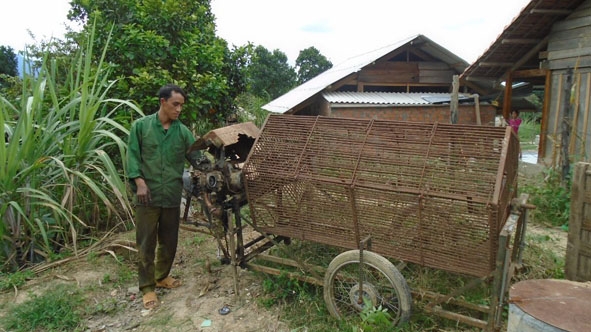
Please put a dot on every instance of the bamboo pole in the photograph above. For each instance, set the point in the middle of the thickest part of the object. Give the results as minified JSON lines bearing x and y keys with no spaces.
{"x":566,"y":128}
{"x":586,"y":117}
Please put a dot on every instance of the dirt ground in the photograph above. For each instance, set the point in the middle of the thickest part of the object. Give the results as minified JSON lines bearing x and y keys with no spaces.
{"x":194,"y":306}
{"x":207,"y":287}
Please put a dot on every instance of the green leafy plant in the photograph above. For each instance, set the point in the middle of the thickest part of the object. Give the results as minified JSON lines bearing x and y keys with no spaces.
{"x":552,"y":200}
{"x":16,"y":279}
{"x":57,"y":180}
{"x":528,"y":130}
{"x":375,"y":319}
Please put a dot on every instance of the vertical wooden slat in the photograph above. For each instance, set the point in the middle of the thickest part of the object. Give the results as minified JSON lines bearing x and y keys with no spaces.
{"x":556,"y":117}
{"x":575,"y":119}
{"x":571,"y":265}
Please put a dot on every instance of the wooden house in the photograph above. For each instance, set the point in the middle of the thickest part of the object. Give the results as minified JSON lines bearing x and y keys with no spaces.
{"x":548,"y":45}
{"x":410,"y":81}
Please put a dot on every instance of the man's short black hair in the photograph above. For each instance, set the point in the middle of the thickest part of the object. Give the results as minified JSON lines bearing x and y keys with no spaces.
{"x":166,"y":91}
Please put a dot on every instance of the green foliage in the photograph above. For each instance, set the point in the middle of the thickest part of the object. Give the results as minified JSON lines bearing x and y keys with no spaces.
{"x":528,"y":130}
{"x":376,"y":319}
{"x":57,"y":180}
{"x":8,"y":62}
{"x":157,"y":42}
{"x":310,"y":63}
{"x":552,"y":200}
{"x":269,"y":74}
{"x":56,"y":310}
{"x":251,"y":109}
{"x":282,"y":288}
{"x":10,"y":280}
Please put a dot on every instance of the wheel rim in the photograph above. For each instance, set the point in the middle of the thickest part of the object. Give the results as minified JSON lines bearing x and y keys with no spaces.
{"x":370,"y":296}
{"x":384,"y":287}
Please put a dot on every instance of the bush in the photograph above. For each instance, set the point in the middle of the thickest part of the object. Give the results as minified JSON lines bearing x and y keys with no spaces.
{"x":552,"y":200}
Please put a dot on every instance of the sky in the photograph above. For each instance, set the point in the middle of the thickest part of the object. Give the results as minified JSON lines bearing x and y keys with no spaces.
{"x":338,"y":29}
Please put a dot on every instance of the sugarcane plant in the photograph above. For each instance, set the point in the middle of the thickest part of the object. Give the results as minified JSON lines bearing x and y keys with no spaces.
{"x":58,"y":179}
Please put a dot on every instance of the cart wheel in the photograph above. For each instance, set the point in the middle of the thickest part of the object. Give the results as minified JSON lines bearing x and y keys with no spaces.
{"x":383,"y":285}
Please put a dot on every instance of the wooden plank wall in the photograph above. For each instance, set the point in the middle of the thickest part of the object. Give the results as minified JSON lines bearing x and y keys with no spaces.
{"x":569,"y":46}
{"x":580,"y":135}
{"x":578,"y":250}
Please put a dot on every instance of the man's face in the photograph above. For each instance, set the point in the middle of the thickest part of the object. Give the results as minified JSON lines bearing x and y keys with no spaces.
{"x":173,"y":106}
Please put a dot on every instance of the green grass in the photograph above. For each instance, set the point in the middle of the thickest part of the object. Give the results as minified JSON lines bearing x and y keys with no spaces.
{"x":59,"y":309}
{"x":10,"y":280}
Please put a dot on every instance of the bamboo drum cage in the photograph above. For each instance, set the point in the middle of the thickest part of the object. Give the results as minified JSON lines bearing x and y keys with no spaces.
{"x":433,"y":194}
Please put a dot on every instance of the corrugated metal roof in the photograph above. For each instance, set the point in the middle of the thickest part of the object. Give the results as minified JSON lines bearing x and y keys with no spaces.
{"x":301,"y":93}
{"x":388,"y":98}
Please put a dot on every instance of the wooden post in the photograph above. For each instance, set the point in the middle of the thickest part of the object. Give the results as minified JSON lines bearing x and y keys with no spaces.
{"x":566,"y":125}
{"x":508,"y":96}
{"x":545,"y":111}
{"x":232,"y":250}
{"x":477,"y":108}
{"x":454,"y":100}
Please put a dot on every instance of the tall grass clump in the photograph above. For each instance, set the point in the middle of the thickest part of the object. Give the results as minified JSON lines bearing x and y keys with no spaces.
{"x":57,"y":179}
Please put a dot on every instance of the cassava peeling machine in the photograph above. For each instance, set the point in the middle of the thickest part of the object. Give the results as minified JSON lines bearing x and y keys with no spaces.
{"x":440,"y":196}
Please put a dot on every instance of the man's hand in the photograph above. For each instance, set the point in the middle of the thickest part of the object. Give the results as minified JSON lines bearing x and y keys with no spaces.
{"x":143,"y":192}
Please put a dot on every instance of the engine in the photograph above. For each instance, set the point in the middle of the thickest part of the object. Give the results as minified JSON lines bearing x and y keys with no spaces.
{"x":216,"y":179}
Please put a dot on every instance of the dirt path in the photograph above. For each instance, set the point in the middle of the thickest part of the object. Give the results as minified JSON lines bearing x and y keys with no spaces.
{"x":192,"y":307}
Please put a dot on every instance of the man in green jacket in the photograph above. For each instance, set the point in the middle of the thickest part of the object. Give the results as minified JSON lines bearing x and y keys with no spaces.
{"x":157,"y":149}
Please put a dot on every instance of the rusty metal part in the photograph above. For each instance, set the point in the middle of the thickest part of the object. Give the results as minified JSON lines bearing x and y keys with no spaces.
{"x":563,"y":304}
{"x":433,"y":194}
{"x":236,"y":140}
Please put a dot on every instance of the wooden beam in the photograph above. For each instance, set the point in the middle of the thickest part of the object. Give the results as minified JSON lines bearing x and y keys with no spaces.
{"x":527,"y":56}
{"x":551,"y":11}
{"x":528,"y":73}
{"x":520,"y":41}
{"x":495,"y":64}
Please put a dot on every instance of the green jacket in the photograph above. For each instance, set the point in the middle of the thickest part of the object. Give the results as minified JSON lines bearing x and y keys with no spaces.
{"x":158,"y":156}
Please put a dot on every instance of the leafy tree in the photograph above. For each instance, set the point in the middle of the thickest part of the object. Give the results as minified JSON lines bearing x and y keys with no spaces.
{"x":8,"y":64}
{"x":269,"y":74}
{"x":157,"y":42}
{"x":310,"y":63}
{"x":8,"y":61}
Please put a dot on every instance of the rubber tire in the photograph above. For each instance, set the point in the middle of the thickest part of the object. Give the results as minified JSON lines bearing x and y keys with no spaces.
{"x":374,"y":262}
